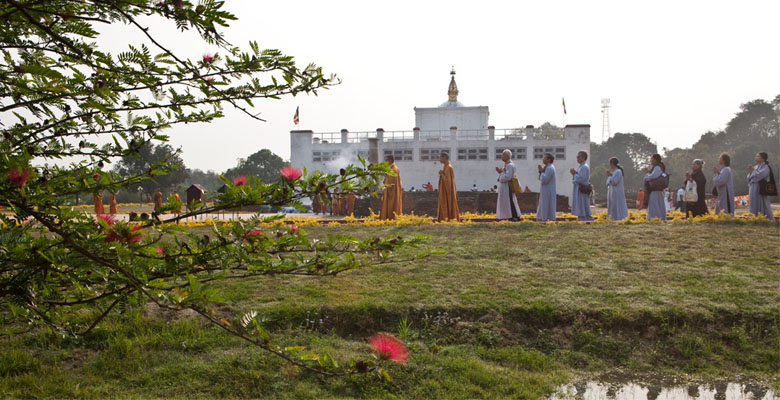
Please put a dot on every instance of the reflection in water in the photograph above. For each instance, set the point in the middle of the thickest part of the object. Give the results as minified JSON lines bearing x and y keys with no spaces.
{"x":632,"y":391}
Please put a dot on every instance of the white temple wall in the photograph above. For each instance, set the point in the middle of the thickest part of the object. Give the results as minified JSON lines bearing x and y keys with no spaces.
{"x":468,"y":172}
{"x":442,"y":118}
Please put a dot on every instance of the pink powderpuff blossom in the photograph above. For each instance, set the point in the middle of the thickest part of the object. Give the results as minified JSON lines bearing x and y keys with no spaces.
{"x":208,"y":78}
{"x":254,"y":233}
{"x":290,"y":173}
{"x":389,"y":348}
{"x":96,"y":176}
{"x":106,"y":217}
{"x":208,"y":58}
{"x":160,"y":250}
{"x":134,"y":238}
{"x":294,"y":229}
{"x":239,"y":180}
{"x":18,"y":176}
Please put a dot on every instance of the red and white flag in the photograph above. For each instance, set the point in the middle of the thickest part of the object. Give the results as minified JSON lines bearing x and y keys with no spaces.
{"x":562,"y":99}
{"x":295,"y":117}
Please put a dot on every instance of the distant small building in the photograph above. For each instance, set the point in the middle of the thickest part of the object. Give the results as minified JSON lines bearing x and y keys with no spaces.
{"x":195,"y":193}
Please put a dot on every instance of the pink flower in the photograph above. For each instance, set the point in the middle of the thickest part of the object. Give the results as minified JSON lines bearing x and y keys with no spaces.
{"x":239,"y":180}
{"x":134,"y":238}
{"x":106,"y":217}
{"x":254,"y":233}
{"x":18,"y":176}
{"x":96,"y":176}
{"x":208,"y":78}
{"x":294,"y":229}
{"x":207,"y":58}
{"x":291,"y":173}
{"x":159,"y":250}
{"x":389,"y":348}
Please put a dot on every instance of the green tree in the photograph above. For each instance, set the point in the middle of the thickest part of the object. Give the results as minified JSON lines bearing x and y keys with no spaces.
{"x":59,"y":91}
{"x":753,"y":129}
{"x":141,"y":163}
{"x":208,"y":179}
{"x":632,"y":149}
{"x":264,"y":165}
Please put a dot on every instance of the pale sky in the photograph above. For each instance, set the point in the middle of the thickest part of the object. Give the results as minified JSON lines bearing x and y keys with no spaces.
{"x":672,"y":69}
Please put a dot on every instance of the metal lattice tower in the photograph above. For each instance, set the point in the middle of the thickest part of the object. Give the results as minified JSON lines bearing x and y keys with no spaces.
{"x":606,"y":131}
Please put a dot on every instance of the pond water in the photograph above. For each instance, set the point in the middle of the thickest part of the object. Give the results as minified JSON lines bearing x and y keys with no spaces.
{"x":632,"y":391}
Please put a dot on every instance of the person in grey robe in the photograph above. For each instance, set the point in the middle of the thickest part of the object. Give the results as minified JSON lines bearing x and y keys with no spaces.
{"x":580,"y":202}
{"x":545,"y":211}
{"x":724,"y":183}
{"x":655,"y":204}
{"x":617,"y":209}
{"x":759,"y":203}
{"x":506,"y":204}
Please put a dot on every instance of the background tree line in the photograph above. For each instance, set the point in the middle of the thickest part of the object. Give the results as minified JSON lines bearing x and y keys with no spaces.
{"x":753,"y":129}
{"x":264,"y":165}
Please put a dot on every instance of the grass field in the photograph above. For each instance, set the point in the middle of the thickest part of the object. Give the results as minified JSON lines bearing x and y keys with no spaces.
{"x":509,"y":311}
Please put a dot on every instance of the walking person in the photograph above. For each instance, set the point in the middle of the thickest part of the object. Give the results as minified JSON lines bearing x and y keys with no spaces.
{"x":759,"y":203}
{"x":655,"y":202}
{"x":581,"y":189}
{"x":545,"y":211}
{"x":111,"y":203}
{"x":393,"y":195}
{"x":680,"y":202}
{"x":506,"y":204}
{"x":448,"y":196}
{"x":157,"y":200}
{"x":724,"y":186}
{"x":699,"y":207}
{"x":617,"y":209}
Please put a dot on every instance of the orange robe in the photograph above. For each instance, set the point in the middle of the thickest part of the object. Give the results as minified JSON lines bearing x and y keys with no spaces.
{"x":316,"y":204}
{"x":350,"y":203}
{"x":178,"y":209}
{"x":391,"y":199}
{"x":640,"y":198}
{"x":111,"y":203}
{"x":448,"y":195}
{"x":98,"y":200}
{"x":157,"y":201}
{"x":335,"y":204}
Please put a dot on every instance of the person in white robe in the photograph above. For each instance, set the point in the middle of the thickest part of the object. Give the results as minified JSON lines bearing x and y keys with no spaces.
{"x":580,"y":202}
{"x":759,"y":203}
{"x":545,"y":211}
{"x":506,"y":204}
{"x":655,"y":204}
{"x":724,"y":184}
{"x":617,"y":209}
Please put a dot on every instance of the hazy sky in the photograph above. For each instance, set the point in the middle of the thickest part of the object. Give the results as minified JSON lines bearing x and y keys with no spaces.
{"x":673,"y":69}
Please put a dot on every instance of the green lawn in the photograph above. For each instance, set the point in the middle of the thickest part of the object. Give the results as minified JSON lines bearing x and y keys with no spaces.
{"x":509,"y":311}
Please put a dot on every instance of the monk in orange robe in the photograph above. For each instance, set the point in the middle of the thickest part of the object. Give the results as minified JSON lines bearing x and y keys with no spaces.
{"x":111,"y":203}
{"x":178,"y":209}
{"x":640,"y":198}
{"x":335,"y":204}
{"x":98,"y":200}
{"x":349,"y":199}
{"x":391,"y":199}
{"x":157,"y":200}
{"x":448,"y":196}
{"x":316,"y":204}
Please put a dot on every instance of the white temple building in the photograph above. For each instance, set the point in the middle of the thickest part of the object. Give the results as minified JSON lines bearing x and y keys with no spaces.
{"x":464,"y":132}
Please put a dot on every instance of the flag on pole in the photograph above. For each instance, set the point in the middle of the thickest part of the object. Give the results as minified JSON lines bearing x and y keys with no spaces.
{"x":295,"y":117}
{"x":562,"y":99}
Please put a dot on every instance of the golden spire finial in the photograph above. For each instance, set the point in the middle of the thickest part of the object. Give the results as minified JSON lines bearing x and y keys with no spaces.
{"x":453,"y":91}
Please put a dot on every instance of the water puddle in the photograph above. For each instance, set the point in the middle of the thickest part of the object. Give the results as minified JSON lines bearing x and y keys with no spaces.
{"x":632,"y":391}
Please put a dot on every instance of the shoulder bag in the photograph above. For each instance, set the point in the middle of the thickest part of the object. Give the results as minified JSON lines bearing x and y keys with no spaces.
{"x":768,"y":188}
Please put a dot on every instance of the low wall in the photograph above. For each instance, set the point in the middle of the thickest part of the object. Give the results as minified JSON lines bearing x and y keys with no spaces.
{"x":426,"y":203}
